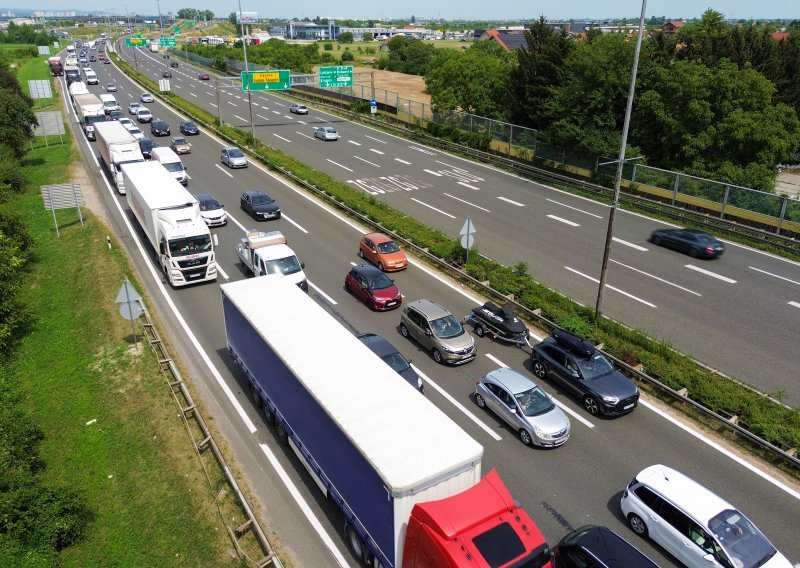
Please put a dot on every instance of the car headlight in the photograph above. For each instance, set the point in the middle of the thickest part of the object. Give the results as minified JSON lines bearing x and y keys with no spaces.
{"x":448,"y":349}
{"x":610,"y":399}
{"x":539,"y":432}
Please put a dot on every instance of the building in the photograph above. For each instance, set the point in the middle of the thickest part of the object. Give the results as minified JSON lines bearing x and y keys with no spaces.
{"x":673,"y":27}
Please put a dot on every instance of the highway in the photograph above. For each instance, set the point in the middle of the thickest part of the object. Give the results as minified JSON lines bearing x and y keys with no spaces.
{"x":576,"y":484}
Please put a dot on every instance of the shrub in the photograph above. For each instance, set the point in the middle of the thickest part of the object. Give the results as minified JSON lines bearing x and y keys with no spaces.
{"x":327,"y":46}
{"x":347,"y":56}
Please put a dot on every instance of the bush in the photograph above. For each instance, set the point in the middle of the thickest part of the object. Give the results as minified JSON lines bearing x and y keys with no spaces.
{"x":347,"y":56}
{"x":327,"y":46}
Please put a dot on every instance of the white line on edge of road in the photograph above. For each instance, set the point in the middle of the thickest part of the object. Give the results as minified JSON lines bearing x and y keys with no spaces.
{"x":566,"y":409}
{"x":458,"y":405}
{"x":596,"y":281}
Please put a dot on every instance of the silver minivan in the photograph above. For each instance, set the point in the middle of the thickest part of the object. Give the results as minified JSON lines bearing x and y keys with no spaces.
{"x":438,"y":331}
{"x":693,"y":524}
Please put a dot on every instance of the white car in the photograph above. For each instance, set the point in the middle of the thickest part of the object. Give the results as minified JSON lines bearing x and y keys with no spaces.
{"x":126,"y":122}
{"x":136,"y":132}
{"x":298,"y":109}
{"x":146,"y":98}
{"x":326,"y":133}
{"x":133,"y":108}
{"x":144,"y":115}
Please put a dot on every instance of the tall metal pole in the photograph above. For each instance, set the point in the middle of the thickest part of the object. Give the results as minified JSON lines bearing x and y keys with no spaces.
{"x":160,"y":20}
{"x":247,"y":70}
{"x":598,"y":311}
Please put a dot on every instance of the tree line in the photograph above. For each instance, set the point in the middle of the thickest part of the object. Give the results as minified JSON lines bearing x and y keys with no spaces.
{"x":275,"y":54}
{"x":37,"y":519}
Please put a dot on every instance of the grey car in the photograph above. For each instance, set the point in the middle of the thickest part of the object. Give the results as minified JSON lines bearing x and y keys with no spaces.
{"x":392,"y":357}
{"x":233,"y":158}
{"x":438,"y":331}
{"x":524,"y":406}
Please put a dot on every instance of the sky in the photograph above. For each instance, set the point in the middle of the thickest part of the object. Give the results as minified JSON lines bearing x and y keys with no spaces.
{"x":454,"y":9}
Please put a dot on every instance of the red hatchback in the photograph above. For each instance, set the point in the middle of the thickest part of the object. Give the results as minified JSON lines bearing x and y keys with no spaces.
{"x":382,"y":251}
{"x":373,"y":287}
{"x":203,"y":77}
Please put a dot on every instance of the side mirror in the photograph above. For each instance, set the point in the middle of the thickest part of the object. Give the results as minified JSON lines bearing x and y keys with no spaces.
{"x":302,"y":265}
{"x":428,"y":332}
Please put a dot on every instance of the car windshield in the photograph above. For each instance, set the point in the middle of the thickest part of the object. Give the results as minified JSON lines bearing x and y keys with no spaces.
{"x":262,"y":200}
{"x":190,"y":245}
{"x":235,"y":153}
{"x":180,"y":141}
{"x":446,"y":327}
{"x":147,"y":144}
{"x":159,"y":124}
{"x":386,"y":248}
{"x":189,"y":125}
{"x":288,"y":265}
{"x":396,"y":362}
{"x":378,"y":281}
{"x":596,"y":366}
{"x":209,"y":205}
{"x":534,"y":402}
{"x":740,"y":539}
{"x":173,"y":167}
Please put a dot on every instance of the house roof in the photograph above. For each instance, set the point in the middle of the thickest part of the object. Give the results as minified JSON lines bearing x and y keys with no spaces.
{"x":510,"y":40}
{"x":675,"y":24}
{"x":780,"y":36}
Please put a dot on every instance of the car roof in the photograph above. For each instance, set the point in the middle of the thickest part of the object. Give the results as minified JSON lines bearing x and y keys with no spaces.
{"x":377,"y":344}
{"x":378,"y":238}
{"x":205,"y":197}
{"x":429,"y":308}
{"x":511,"y":380}
{"x":572,"y":343}
{"x":367,"y":269}
{"x":683,"y":492}
{"x":613,"y":550}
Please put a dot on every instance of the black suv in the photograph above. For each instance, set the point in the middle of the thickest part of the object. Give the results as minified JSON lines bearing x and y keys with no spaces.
{"x":585,"y":372}
{"x":599,"y":547}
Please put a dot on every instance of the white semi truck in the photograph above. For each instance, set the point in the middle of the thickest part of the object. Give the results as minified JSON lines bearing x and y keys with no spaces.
{"x":170,"y":218}
{"x":116,"y":146}
{"x":267,"y":253}
{"x":90,"y":111}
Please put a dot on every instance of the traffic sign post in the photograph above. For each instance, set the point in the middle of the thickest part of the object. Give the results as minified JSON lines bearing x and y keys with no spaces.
{"x":373,"y":106}
{"x":277,"y":80}
{"x":467,"y":235}
{"x":336,"y":76}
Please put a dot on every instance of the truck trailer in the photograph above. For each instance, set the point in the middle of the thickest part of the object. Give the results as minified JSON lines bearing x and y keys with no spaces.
{"x":170,"y":218}
{"x":406,"y":478}
{"x":71,"y":72}
{"x":90,"y":111}
{"x":116,"y":146}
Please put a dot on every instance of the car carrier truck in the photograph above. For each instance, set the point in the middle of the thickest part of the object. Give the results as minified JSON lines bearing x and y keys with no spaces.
{"x":267,"y":253}
{"x":116,"y":146}
{"x":405,"y":476}
{"x":170,"y":218}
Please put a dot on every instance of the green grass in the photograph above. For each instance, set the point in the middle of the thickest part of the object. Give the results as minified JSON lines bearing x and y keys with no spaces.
{"x":134,"y":466}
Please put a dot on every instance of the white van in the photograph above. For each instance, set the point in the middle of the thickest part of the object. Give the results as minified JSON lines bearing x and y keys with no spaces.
{"x":91,"y":78}
{"x":109,"y":103}
{"x":693,"y":524}
{"x":171,"y":162}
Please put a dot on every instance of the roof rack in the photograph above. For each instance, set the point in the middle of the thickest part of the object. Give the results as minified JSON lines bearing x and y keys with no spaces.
{"x":573,"y":343}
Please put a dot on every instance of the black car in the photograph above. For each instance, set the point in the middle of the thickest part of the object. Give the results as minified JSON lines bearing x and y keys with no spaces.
{"x":598,"y":547}
{"x":146,"y":145}
{"x":189,"y":128}
{"x":173,"y":64}
{"x":696,"y":244}
{"x":116,"y":115}
{"x":167,"y":74}
{"x":585,"y":372}
{"x":259,"y":205}
{"x":159,"y":128}
{"x":392,"y":357}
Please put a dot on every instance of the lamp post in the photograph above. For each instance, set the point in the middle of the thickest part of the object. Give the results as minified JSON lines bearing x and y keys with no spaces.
{"x":598,"y":312}
{"x":247,"y":70}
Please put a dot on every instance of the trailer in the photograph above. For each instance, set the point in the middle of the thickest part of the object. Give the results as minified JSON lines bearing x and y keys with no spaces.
{"x":116,"y":147}
{"x":406,"y":478}
{"x":90,"y":111}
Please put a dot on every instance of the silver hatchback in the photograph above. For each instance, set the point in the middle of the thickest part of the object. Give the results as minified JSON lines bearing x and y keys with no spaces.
{"x":524,"y":406}
{"x":438,"y":331}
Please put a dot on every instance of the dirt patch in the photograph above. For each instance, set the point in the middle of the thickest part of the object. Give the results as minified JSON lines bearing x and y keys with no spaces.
{"x":409,"y":86}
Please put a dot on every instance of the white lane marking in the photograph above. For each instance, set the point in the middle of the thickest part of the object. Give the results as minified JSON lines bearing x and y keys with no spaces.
{"x":574,"y":208}
{"x":507,"y":200}
{"x":708,"y":441}
{"x":238,"y":97}
{"x":224,"y":274}
{"x":195,"y":96}
{"x":628,"y":244}
{"x":301,"y":122}
{"x":295,"y":223}
{"x":281,"y":137}
{"x":402,"y":161}
{"x":255,"y":104}
{"x":432,"y":207}
{"x":309,"y":514}
{"x":558,"y":403}
{"x":376,"y":140}
{"x":562,"y":220}
{"x":712,"y":274}
{"x":340,"y":165}
{"x":446,"y":164}
{"x":213,"y":105}
{"x":321,"y":293}
{"x":354,"y":142}
{"x":320,"y":119}
{"x":469,"y":186}
{"x":367,"y":161}
{"x":224,"y":171}
{"x":209,"y":94}
{"x":795,"y":304}
{"x":240,"y":118}
{"x":276,"y":111}
{"x":306,"y":135}
{"x":232,"y":218}
{"x":376,"y":151}
{"x":418,"y":149}
{"x":437,"y":174}
{"x":230,"y":103}
{"x":774,"y":275}
{"x":596,"y":281}
{"x":656,"y":277}
{"x":467,"y":202}
{"x":260,"y":116}
{"x":288,"y":116}
{"x":458,"y":405}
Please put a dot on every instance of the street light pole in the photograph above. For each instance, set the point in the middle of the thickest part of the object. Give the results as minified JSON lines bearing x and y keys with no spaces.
{"x":247,"y":70}
{"x":598,"y":312}
{"x":160,"y":20}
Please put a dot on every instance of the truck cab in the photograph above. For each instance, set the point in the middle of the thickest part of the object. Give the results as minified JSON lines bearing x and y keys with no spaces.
{"x":267,"y":253}
{"x":482,"y":526}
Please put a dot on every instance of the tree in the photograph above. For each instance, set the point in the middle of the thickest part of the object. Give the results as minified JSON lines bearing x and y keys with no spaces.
{"x":16,"y":122}
{"x":408,"y":55}
{"x":346,"y":37}
{"x":539,"y":71}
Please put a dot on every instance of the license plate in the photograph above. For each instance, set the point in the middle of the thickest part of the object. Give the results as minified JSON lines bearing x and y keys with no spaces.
{"x":627,"y":406}
{"x":392,"y":303}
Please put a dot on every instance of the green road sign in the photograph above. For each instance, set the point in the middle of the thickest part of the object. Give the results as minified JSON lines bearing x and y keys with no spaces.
{"x":166,"y":41}
{"x":135,"y":41}
{"x":176,"y":30}
{"x":336,"y":76}
{"x":277,"y":80}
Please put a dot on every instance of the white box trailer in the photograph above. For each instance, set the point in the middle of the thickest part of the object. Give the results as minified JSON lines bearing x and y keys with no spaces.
{"x":116,"y":146}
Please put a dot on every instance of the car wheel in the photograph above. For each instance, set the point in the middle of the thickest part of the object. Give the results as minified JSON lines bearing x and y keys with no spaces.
{"x":539,"y":369}
{"x":357,"y":546}
{"x":361,"y":253}
{"x":347,"y":288}
{"x":403,"y":330}
{"x":437,"y":356}
{"x":479,"y":331}
{"x":525,"y":436}
{"x":590,"y":404}
{"x":380,"y":266}
{"x":637,"y":525}
{"x":480,"y":401}
{"x":694,"y":253}
{"x":656,"y":240}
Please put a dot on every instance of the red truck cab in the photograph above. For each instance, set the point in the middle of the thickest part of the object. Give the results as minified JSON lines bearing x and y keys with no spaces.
{"x":480,"y":527}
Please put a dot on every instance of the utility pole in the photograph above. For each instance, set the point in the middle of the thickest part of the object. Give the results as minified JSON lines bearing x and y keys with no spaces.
{"x":160,"y":20}
{"x":247,"y":70}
